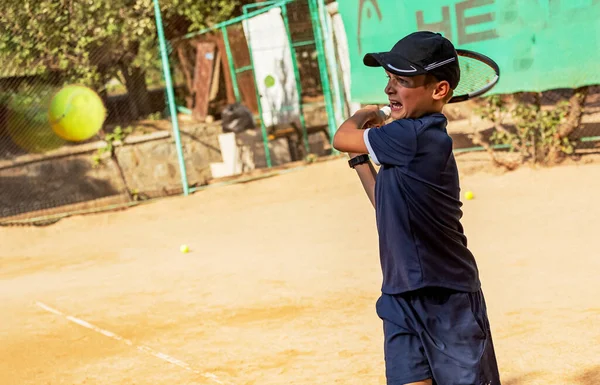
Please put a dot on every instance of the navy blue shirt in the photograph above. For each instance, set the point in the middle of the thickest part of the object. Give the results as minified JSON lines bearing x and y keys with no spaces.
{"x":418,"y":207}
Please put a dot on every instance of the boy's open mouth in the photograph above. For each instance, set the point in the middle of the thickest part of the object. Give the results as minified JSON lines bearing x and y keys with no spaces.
{"x":396,"y":106}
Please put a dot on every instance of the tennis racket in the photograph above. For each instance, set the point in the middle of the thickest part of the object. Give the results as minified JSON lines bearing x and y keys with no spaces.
{"x":478,"y":75}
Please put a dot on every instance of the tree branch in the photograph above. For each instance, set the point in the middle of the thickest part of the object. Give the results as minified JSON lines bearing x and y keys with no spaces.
{"x":479,"y":140}
{"x":576,"y":107}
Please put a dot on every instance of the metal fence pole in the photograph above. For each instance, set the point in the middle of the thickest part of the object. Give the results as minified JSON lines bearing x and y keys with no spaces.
{"x":323,"y":69}
{"x":171,"y":96}
{"x":331,"y":59}
{"x":232,"y":72}
{"x":263,"y":128}
{"x":286,"y":23}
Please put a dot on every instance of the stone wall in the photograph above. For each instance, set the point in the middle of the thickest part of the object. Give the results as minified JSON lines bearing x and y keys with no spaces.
{"x":151,"y":165}
{"x":144,"y":166}
{"x":39,"y":186}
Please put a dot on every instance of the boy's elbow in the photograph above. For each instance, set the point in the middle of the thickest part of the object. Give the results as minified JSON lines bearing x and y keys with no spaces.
{"x":348,"y":141}
{"x":340,"y":139}
{"x":336,"y":141}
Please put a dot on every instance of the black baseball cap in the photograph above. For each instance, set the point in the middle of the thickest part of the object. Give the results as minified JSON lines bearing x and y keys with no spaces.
{"x":420,"y":53}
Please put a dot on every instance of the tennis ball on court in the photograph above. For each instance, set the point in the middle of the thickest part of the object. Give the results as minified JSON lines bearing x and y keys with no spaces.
{"x":76,"y":113}
{"x":184,"y":249}
{"x":469,"y":195}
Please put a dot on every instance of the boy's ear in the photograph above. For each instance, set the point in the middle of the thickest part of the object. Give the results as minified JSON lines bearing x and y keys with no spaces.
{"x":441,"y":90}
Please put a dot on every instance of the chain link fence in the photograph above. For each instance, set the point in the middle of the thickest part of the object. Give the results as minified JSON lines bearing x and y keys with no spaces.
{"x":267,"y":69}
{"x":533,"y":124}
{"x":190,"y":106}
{"x":219,"y":102}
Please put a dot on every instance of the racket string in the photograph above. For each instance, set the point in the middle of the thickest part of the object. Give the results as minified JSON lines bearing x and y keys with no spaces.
{"x":475,"y":75}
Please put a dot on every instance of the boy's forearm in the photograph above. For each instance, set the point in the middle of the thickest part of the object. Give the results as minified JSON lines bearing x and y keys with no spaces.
{"x":355,"y":122}
{"x":349,"y":136}
{"x":367,"y":175}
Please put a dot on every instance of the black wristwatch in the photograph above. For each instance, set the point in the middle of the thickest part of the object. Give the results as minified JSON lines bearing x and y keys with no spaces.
{"x":360,"y":159}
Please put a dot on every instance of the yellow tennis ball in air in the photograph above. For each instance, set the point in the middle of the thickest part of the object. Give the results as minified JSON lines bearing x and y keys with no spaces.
{"x":76,"y":113}
{"x":29,"y":130}
{"x":469,"y":195}
{"x":184,"y":249}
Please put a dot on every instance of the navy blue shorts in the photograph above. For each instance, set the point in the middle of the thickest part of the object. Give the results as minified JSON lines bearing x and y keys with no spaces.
{"x":439,"y":334}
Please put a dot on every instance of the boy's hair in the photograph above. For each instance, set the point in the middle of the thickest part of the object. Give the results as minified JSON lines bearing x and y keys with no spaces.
{"x":449,"y":73}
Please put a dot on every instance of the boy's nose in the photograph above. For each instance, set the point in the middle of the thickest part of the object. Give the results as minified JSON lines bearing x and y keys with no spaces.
{"x":389,"y":89}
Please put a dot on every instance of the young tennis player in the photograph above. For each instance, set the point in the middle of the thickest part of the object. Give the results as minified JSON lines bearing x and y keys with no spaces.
{"x":435,"y":323}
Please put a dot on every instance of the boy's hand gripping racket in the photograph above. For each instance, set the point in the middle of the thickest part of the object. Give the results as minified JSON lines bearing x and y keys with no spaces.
{"x":385,"y":112}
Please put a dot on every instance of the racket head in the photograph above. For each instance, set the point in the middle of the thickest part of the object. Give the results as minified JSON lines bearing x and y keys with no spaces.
{"x":478,"y":75}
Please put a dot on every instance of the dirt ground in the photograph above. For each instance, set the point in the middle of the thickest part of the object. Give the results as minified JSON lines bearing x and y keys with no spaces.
{"x":280,"y":284}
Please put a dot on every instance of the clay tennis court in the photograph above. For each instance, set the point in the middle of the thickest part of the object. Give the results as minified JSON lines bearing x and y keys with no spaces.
{"x":281,"y":282}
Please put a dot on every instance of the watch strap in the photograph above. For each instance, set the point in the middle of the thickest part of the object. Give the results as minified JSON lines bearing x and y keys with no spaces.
{"x":360,"y":159}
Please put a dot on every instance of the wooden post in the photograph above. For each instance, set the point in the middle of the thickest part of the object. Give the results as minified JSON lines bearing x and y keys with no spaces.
{"x":203,"y":75}
{"x":225,"y":65}
{"x":241,"y":58}
{"x":187,"y":69}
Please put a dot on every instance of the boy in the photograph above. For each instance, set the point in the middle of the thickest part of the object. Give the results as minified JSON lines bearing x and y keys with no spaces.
{"x":435,"y":324}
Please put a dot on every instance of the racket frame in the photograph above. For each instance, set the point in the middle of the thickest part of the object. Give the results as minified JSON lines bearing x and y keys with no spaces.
{"x":484,"y":59}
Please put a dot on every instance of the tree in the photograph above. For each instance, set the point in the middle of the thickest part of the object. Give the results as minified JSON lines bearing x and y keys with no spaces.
{"x":93,"y":41}
{"x":533,"y":132}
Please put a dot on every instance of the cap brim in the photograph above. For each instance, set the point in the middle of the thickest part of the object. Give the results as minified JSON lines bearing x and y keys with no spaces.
{"x":394,"y":63}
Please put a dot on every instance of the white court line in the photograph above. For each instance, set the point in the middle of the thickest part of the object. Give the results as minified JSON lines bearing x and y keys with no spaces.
{"x":141,"y":348}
